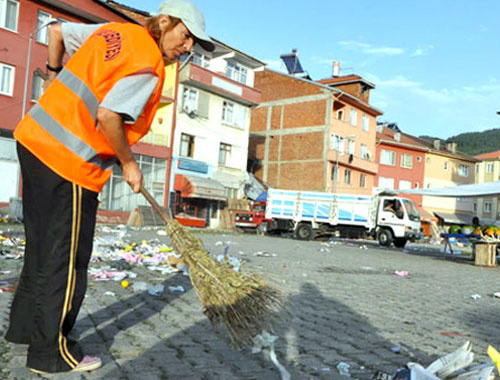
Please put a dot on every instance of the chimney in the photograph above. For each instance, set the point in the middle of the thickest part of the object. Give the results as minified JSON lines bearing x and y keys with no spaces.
{"x":336,"y":68}
{"x":452,"y":147}
{"x":437,"y":144}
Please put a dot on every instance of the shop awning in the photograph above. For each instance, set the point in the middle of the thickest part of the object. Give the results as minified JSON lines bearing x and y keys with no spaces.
{"x":455,"y":218}
{"x":461,"y":191}
{"x":426,"y":215}
{"x":198,"y":187}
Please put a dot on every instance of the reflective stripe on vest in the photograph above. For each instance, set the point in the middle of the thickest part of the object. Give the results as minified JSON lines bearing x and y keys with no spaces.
{"x":68,"y":139}
{"x":79,"y":87}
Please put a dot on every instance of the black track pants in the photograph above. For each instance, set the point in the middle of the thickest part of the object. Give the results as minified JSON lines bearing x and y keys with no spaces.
{"x":59,"y":219}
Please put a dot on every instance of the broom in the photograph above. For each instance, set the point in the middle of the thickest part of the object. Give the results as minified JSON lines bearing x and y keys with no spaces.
{"x":243,"y":303}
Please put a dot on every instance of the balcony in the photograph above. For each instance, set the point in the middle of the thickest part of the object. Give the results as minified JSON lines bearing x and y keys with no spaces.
{"x":219,"y":84}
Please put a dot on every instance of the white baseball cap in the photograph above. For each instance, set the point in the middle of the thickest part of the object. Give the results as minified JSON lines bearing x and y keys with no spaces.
{"x":191,"y":16}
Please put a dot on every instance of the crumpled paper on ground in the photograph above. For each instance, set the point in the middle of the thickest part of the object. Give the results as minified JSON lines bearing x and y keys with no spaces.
{"x":266,"y":341}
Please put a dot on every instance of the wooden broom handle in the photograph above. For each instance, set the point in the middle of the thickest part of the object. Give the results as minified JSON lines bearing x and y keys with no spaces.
{"x":166,"y":217}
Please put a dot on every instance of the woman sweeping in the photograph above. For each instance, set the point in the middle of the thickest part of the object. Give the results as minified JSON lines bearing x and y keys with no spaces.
{"x":96,"y":107}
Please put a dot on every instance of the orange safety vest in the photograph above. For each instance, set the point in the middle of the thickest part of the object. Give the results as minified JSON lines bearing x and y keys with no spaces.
{"x":61,"y":130}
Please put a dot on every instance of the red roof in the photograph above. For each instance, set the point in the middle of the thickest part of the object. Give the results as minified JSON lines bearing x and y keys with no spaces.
{"x":388,"y":135}
{"x":489,"y":155}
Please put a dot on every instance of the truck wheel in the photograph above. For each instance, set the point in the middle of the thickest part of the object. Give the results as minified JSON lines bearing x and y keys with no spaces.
{"x":385,"y":238}
{"x":400,"y":242}
{"x":262,"y":228}
{"x":304,"y":232}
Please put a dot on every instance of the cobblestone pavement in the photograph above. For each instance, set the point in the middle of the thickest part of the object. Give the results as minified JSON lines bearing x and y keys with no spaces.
{"x":346,"y":306}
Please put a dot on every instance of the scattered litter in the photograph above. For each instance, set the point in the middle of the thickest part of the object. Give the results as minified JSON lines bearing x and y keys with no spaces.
{"x":451,"y":333}
{"x":176,"y":289}
{"x":454,"y":366}
{"x":323,"y":249}
{"x":241,"y":253}
{"x":496,"y":295}
{"x":125,"y":284}
{"x":475,"y":296}
{"x":264,"y":254}
{"x":343,"y":369}
{"x":396,"y":349}
{"x":266,"y":341}
{"x":109,"y":293}
{"x":401,"y":273}
{"x":5,"y":271}
{"x":162,"y":232}
{"x":379,"y":375}
{"x":139,"y":286}
{"x":156,"y":290}
{"x":494,"y":356}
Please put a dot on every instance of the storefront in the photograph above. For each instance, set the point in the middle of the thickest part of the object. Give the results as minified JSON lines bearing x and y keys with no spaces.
{"x":197,"y":200}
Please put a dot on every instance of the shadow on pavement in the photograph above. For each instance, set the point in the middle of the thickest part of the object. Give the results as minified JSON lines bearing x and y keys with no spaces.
{"x":320,"y":333}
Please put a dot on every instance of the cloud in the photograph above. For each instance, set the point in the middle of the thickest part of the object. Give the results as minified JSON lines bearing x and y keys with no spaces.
{"x":423,"y":50}
{"x":372,"y":50}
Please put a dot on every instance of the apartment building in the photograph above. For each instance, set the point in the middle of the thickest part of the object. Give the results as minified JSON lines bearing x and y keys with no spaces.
{"x":23,"y":56}
{"x":401,"y":161}
{"x":314,"y":135}
{"x":445,"y":166}
{"x":209,"y":166}
{"x":487,"y":170}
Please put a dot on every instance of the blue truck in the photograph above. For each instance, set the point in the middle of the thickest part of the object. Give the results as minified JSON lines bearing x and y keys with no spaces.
{"x":386,"y":217}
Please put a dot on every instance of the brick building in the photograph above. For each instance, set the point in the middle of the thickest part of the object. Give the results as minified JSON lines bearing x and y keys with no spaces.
{"x":308,"y":135}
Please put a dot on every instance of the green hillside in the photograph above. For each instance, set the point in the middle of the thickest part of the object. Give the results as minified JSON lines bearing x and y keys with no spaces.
{"x":474,"y":142}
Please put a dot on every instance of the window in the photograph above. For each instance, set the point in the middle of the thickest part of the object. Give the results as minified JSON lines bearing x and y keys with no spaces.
{"x":417,"y":185}
{"x":334,"y":173}
{"x":476,"y":169}
{"x":362,"y":180}
{"x":386,"y":183}
{"x":236,"y":72}
{"x":463,"y":171}
{"x":117,"y":194}
{"x":487,"y":207}
{"x":187,"y":145}
{"x":347,"y":177}
{"x":364,"y":151}
{"x":489,"y":167}
{"x":474,"y":207}
{"x":6,"y":79}
{"x":366,"y":123}
{"x":351,"y":147}
{"x":9,"y":11}
{"x":190,"y":100}
{"x":337,"y":143}
{"x":224,"y":154}
{"x":387,"y":157}
{"x":340,"y":114}
{"x":354,"y":116}
{"x":37,"y":89}
{"x":404,"y":185}
{"x":228,"y":112}
{"x":406,"y":161}
{"x":201,"y":59}
{"x":419,"y":158}
{"x":446,"y":165}
{"x":42,"y":35}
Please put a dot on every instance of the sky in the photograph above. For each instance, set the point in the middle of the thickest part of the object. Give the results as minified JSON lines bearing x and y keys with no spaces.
{"x":435,"y":63}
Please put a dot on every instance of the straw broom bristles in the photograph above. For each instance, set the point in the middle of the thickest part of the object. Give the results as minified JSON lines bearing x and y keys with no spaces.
{"x":241,"y":302}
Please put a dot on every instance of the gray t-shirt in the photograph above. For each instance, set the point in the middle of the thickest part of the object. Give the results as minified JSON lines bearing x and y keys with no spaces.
{"x":130,"y":94}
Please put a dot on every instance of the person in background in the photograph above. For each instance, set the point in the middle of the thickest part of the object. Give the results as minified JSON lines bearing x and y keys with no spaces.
{"x":93,"y":110}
